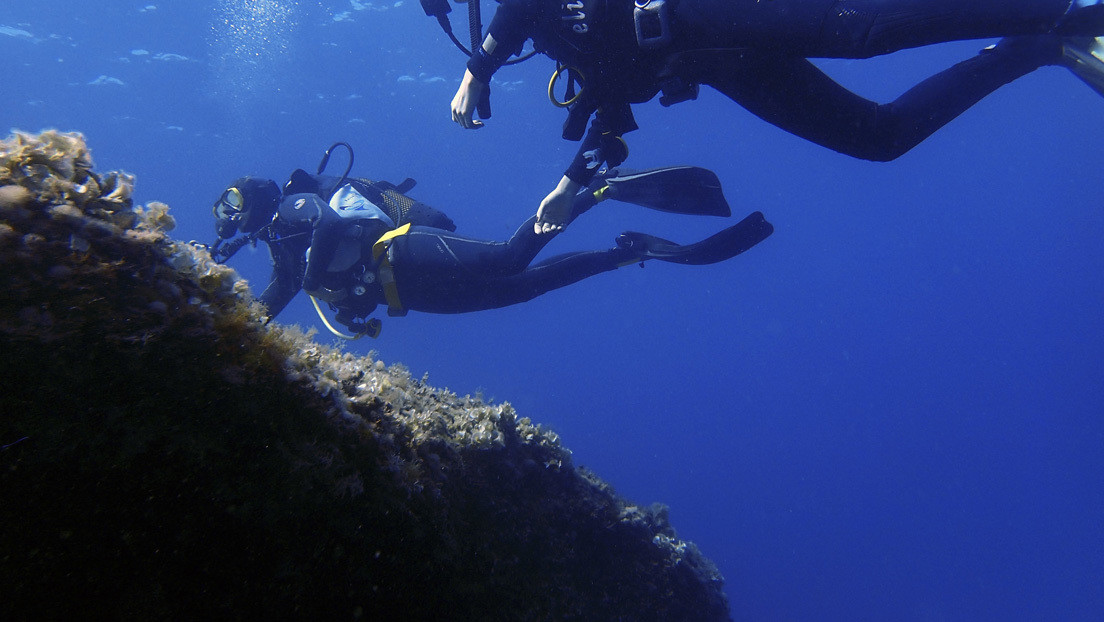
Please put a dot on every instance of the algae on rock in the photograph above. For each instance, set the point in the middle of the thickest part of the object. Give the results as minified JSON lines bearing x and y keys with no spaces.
{"x":165,"y":453}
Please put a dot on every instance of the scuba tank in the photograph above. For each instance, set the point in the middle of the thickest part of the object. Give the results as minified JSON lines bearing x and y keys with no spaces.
{"x":389,"y":197}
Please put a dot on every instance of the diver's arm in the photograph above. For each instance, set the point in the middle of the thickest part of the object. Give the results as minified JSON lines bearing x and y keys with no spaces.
{"x":513,"y":24}
{"x":466,"y":99}
{"x":288,"y":266}
{"x":277,"y":295}
{"x":510,"y":28}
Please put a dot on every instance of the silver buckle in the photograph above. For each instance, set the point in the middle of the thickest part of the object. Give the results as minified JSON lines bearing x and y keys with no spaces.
{"x":653,"y":26}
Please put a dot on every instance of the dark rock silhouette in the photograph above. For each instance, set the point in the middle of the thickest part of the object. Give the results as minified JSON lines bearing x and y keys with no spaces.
{"x":168,"y":456}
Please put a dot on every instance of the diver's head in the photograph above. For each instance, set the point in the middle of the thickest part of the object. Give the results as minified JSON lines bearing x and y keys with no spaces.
{"x":247,"y":205}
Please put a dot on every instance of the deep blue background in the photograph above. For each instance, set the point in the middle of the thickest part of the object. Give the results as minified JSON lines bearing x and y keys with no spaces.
{"x":890,"y":410}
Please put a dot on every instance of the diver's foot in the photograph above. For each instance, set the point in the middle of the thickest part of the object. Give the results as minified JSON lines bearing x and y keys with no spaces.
{"x":555,"y":209}
{"x":1084,"y":56}
{"x":547,"y":226}
{"x":552,"y":217}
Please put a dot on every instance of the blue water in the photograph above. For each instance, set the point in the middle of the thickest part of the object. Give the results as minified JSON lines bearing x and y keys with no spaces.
{"x":892,"y":409}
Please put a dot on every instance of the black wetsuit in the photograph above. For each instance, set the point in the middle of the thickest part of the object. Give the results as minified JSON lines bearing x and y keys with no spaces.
{"x":755,"y":51}
{"x":438,"y":271}
{"x":435,"y":270}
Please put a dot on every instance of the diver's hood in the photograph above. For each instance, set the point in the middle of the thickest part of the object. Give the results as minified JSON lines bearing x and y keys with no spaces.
{"x":260,"y":199}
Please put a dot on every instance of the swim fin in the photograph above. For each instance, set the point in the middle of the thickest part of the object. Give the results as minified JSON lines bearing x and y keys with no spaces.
{"x":720,"y":246}
{"x":675,"y":189}
{"x":1085,"y":58}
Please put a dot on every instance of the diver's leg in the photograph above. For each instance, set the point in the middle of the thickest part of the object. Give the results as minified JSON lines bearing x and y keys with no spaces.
{"x":433,"y":268}
{"x":554,"y":273}
{"x":448,"y":287}
{"x":865,"y":28}
{"x":438,"y":271}
{"x":451,"y":290}
{"x":515,"y":254}
{"x":430,"y":250}
{"x":437,"y":251}
{"x":799,"y":98}
{"x":632,"y":248}
{"x":521,"y":249}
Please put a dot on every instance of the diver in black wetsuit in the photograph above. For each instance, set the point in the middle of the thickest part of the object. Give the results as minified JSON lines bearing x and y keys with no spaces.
{"x":357,"y":244}
{"x":756,"y":51}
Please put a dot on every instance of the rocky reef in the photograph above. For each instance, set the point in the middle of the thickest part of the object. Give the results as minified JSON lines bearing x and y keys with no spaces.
{"x":167,"y":455}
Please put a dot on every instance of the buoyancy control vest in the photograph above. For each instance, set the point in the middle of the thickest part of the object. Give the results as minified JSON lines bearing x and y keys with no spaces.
{"x":350,"y":226}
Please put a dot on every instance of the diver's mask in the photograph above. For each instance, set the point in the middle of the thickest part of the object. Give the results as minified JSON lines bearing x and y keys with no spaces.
{"x":228,"y":212}
{"x":246,"y":206}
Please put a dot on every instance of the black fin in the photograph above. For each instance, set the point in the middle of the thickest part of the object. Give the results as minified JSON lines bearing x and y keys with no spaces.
{"x":720,"y":246}
{"x":676,"y":189}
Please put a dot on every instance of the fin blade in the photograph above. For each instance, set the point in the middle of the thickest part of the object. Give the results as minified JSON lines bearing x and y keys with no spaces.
{"x":718,"y":247}
{"x":729,"y":242}
{"x":675,"y":189}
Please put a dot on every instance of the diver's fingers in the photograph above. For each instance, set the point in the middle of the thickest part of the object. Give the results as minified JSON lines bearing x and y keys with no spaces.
{"x":466,"y":121}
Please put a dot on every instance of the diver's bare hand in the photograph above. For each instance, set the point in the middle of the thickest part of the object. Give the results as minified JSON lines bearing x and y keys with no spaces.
{"x":555,"y":209}
{"x":465,"y":101}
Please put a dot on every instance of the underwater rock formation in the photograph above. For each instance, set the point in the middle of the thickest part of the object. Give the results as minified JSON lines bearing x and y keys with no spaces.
{"x":167,"y":455}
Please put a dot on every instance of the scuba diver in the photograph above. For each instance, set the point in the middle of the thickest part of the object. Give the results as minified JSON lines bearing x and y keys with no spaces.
{"x":355,"y":244}
{"x":756,"y":52}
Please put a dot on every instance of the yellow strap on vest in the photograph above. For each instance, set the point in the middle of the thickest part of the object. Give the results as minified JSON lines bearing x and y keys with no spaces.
{"x":381,"y":244}
{"x":386,"y":274}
